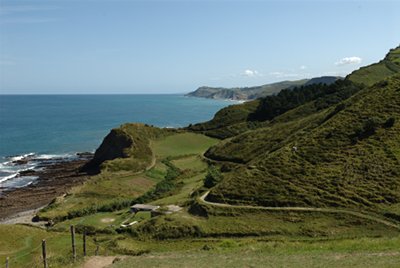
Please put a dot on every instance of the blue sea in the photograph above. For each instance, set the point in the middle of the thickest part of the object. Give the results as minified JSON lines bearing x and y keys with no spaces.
{"x":37,"y":128}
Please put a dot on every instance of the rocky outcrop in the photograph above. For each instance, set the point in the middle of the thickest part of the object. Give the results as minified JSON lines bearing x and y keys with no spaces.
{"x":115,"y":145}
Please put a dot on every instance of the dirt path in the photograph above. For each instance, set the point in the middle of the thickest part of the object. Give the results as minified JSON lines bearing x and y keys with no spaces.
{"x":101,"y":261}
{"x":153,"y":158}
{"x":326,"y":210}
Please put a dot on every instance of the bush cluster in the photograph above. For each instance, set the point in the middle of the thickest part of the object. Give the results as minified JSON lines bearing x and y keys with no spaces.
{"x":213,"y":177}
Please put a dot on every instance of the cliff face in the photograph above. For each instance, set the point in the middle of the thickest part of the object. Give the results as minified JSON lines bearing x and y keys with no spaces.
{"x":114,"y":145}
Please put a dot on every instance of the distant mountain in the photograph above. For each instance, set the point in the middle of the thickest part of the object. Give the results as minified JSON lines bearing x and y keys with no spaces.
{"x":251,"y":93}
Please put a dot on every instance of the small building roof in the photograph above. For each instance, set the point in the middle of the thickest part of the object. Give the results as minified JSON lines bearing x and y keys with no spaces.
{"x":144,"y":207}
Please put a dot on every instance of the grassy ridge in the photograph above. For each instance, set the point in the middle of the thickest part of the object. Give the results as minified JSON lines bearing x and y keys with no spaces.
{"x":228,"y":121}
{"x":371,"y":74}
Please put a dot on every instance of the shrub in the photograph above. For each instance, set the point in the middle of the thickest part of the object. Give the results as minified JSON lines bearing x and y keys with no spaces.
{"x":389,"y":123}
{"x":213,"y":177}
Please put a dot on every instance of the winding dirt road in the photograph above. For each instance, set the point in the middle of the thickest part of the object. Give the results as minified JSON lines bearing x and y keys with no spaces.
{"x":326,"y":210}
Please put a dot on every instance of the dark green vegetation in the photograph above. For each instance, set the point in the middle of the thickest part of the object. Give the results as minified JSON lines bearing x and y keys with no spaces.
{"x":251,"y":93}
{"x":237,"y":119}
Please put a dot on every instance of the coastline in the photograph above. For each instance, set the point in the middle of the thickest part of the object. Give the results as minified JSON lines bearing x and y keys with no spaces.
{"x":53,"y":181}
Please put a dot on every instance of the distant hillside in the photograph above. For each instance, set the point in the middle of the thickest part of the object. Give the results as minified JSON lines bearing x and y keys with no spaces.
{"x":250,"y":93}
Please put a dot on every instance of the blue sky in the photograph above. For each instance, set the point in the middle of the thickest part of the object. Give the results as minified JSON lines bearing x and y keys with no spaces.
{"x":166,"y":46}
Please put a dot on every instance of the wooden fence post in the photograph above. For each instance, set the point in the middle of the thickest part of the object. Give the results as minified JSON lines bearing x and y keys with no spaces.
{"x":73,"y":242}
{"x":84,"y":242}
{"x":7,"y":260}
{"x":44,"y":253}
{"x":97,"y":250}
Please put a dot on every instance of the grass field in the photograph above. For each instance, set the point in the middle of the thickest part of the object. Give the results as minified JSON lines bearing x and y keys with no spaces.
{"x":182,"y":144}
{"x":364,"y":252}
{"x":100,"y":190}
{"x":22,"y":244}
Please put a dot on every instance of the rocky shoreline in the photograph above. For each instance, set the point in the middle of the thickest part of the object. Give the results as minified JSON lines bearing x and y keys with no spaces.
{"x":54,"y":180}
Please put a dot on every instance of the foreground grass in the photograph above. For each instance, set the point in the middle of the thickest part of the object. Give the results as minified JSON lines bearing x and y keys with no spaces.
{"x":22,"y":244}
{"x":364,"y":252}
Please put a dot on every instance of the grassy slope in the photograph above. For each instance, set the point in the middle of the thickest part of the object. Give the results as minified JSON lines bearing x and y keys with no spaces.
{"x":371,"y":74}
{"x":329,"y":169}
{"x":367,"y":252}
{"x":117,"y":186}
{"x":103,"y":189}
{"x":22,"y":244}
{"x":229,"y":121}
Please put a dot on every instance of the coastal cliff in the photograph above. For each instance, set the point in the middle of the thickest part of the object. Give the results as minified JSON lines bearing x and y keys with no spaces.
{"x":251,"y":93}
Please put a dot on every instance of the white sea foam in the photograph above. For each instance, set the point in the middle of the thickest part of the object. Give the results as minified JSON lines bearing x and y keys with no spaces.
{"x":11,"y":168}
{"x":54,"y":156}
{"x":19,"y":182}
{"x":21,"y":157}
{"x":9,"y":177}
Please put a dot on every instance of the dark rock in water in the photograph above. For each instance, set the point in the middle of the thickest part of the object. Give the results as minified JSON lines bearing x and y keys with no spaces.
{"x":21,"y":162}
{"x":27,"y":172}
{"x":86,"y":155}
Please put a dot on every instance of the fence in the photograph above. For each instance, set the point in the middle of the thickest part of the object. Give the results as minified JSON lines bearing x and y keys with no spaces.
{"x":42,"y":260}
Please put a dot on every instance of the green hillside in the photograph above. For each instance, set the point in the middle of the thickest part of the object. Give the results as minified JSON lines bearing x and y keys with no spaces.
{"x":347,"y":155}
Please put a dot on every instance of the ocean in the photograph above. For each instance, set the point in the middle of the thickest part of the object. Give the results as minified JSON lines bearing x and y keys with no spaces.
{"x":50,"y":128}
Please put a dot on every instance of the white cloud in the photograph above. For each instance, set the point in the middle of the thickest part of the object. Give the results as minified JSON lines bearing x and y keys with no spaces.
{"x":283,"y":75}
{"x":303,"y":67}
{"x":251,"y":73}
{"x":348,"y":60}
